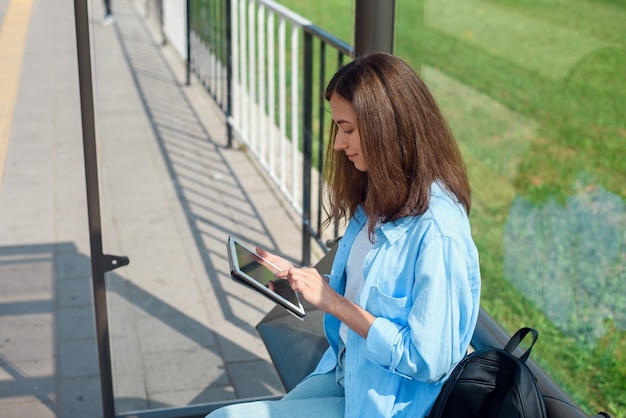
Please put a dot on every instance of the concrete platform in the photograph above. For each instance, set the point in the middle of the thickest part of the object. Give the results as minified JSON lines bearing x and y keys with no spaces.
{"x":182,"y":332}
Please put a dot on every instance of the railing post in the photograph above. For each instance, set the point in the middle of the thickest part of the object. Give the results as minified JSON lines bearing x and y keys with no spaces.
{"x":321,"y":99}
{"x":188,"y":36}
{"x":374,"y":26}
{"x":229,"y":73}
{"x":307,"y":147}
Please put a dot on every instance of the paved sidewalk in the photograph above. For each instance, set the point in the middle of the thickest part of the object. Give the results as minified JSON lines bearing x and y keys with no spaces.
{"x":181,"y":331}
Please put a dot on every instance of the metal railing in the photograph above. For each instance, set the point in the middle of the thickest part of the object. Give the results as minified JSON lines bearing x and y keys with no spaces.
{"x":266,"y":67}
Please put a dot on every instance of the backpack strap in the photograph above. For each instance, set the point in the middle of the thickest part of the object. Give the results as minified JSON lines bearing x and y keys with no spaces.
{"x":517,"y":338}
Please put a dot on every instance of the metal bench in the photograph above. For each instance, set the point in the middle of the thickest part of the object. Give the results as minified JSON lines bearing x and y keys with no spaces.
{"x":295,"y":347}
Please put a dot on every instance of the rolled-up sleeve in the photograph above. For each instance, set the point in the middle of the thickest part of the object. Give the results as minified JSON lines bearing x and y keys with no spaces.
{"x":380,"y":340}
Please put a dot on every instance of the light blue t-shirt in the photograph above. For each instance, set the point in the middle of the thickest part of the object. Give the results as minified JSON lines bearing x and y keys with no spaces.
{"x":422,"y":283}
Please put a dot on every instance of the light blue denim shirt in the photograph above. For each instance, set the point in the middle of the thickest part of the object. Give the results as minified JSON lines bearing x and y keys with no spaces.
{"x":422,"y":283}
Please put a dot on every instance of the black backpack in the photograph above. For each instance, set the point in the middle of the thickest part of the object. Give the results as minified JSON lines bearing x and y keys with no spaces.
{"x":492,"y":383}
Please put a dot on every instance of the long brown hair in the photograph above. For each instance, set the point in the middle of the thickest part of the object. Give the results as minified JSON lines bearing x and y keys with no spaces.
{"x":405,"y":141}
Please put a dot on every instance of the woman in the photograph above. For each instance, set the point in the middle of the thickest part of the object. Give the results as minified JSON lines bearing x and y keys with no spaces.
{"x":402,"y":299}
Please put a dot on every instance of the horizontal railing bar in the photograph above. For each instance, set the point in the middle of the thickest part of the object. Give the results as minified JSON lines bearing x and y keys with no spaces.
{"x":308,"y":26}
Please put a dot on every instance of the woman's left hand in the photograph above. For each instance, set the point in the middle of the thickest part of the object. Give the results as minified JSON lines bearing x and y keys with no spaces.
{"x":279,"y":263}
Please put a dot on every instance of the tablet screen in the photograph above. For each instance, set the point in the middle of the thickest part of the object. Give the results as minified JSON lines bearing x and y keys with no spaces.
{"x":258,"y":272}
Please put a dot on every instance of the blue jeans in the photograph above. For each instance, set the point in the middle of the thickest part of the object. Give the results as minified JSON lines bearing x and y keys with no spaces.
{"x":316,"y":396}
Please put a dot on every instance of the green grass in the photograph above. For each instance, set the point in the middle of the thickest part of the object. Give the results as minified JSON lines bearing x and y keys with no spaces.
{"x":535,"y":91}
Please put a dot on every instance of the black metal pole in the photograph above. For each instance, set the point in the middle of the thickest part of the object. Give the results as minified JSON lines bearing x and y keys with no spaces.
{"x":98,"y":263}
{"x":374,"y":26}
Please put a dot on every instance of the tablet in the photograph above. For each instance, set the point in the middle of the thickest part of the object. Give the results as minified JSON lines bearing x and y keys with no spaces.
{"x":252,"y":270}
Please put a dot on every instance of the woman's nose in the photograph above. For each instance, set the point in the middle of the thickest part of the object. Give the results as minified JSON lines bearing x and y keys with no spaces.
{"x":340,"y":143}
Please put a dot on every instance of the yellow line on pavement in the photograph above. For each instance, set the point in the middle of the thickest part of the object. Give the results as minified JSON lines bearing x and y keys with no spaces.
{"x":12,"y":40}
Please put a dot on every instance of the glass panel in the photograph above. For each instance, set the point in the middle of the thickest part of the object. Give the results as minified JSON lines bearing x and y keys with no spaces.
{"x":535,"y":92}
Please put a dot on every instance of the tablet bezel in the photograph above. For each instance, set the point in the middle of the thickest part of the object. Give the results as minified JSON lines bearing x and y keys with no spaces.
{"x":243,"y":278}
